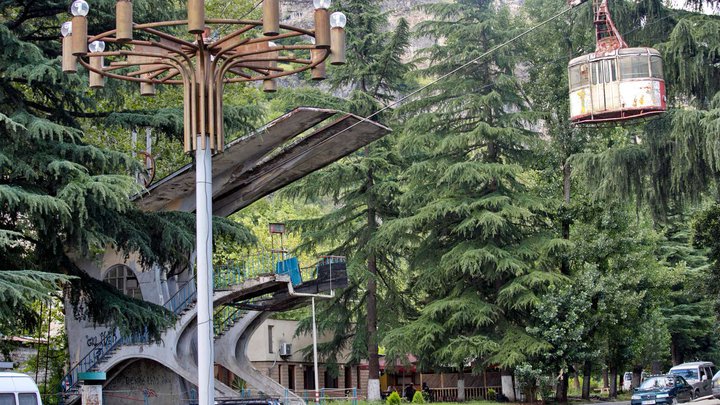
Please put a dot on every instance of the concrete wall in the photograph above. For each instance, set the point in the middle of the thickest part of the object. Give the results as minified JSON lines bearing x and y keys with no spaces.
{"x":283,"y":331}
{"x":147,"y":378}
{"x":83,"y":334}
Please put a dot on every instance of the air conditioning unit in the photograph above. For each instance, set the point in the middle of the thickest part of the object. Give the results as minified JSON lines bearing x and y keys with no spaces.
{"x":285,"y":349}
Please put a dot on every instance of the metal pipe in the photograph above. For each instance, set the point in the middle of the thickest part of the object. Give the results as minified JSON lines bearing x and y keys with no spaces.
{"x":315,"y":356}
{"x":203,"y":200}
{"x":322,"y":28}
{"x":318,"y":72}
{"x":79,"y":36}
{"x":124,"y":21}
{"x":337,"y":46}
{"x":196,"y":16}
{"x":97,"y":81}
{"x":271,"y":17}
{"x":69,"y":61}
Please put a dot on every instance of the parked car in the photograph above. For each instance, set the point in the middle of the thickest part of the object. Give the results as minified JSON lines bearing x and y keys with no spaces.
{"x":699,"y":374}
{"x":627,"y":381}
{"x":662,"y":389}
{"x":18,"y":388}
{"x":716,"y":385}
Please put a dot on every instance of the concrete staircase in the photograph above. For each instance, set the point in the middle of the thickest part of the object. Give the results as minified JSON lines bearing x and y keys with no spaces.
{"x":236,"y":284}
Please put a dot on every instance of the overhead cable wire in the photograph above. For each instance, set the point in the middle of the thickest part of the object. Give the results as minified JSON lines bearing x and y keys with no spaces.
{"x":446,"y":75}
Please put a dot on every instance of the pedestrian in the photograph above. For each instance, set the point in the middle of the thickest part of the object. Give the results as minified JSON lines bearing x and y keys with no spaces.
{"x":409,"y":392}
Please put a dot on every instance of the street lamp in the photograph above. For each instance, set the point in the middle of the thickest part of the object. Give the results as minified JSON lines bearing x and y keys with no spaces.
{"x":255,"y":51}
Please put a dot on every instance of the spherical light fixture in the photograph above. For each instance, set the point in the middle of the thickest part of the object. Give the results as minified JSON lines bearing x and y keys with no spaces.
{"x":97,"y":46}
{"x":66,"y":29}
{"x":322,"y":4}
{"x":80,"y":8}
{"x":338,"y":20}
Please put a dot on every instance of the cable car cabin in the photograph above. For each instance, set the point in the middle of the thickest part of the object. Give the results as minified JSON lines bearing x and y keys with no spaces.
{"x":618,"y":85}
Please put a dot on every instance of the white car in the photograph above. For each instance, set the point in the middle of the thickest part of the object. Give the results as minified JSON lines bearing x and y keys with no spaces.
{"x":716,"y":385}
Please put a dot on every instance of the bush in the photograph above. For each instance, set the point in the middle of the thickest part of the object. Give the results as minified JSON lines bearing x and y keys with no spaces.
{"x":526,"y":378}
{"x":491,"y":394}
{"x":546,"y":386}
{"x":393,"y":399}
{"x":418,"y":398}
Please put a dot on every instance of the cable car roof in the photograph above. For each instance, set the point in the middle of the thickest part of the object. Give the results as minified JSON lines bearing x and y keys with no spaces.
{"x":612,"y":54}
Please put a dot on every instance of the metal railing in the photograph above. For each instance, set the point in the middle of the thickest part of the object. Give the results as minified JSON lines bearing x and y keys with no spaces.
{"x":236,"y":272}
{"x":225,"y":318}
{"x":177,"y":303}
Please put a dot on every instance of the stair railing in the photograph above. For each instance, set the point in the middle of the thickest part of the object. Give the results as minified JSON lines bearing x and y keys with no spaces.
{"x":177,"y":303}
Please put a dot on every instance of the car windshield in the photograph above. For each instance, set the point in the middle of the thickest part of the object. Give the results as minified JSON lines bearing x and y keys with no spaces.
{"x":688,"y":374}
{"x":657,"y":382}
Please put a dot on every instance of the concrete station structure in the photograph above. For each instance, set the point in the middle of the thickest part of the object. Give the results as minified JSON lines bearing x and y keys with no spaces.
{"x":247,"y":341}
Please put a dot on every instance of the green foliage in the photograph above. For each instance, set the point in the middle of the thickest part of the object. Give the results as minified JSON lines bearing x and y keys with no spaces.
{"x":62,"y":196}
{"x":393,"y":399}
{"x":418,"y":398}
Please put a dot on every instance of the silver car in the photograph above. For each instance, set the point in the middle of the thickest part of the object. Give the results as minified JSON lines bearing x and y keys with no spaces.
{"x":699,"y":374}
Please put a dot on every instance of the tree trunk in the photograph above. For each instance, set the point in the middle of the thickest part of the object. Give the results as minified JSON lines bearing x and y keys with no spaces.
{"x":508,"y":388}
{"x":565,"y":263}
{"x":677,"y":357}
{"x":576,"y":380}
{"x":562,"y":388}
{"x":587,"y":372}
{"x":656,"y":368}
{"x":613,"y":382}
{"x":372,"y":342}
{"x":461,"y":385}
{"x":637,"y":373}
{"x":606,"y":383}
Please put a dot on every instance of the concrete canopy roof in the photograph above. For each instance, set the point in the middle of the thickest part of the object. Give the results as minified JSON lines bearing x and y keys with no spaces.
{"x":267,"y":160}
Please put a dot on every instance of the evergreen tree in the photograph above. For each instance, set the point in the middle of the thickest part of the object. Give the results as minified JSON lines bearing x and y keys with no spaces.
{"x":483,"y":245}
{"x":61,"y":197}
{"x":362,"y":189}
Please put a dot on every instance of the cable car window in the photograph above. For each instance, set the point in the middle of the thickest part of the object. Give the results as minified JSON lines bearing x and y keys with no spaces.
{"x":595,"y":72}
{"x":613,"y":70}
{"x":656,"y":67}
{"x":579,"y":76}
{"x":606,"y":68}
{"x":633,"y":67}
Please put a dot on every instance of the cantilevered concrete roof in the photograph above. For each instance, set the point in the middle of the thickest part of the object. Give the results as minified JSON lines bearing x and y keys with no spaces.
{"x":287,"y":149}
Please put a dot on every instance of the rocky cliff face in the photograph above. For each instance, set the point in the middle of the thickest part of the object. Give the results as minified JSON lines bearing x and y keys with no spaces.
{"x":299,"y":13}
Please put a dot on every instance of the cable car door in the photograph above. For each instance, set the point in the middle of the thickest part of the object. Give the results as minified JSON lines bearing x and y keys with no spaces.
{"x":605,"y":86}
{"x":612,"y":85}
{"x":597,"y":87}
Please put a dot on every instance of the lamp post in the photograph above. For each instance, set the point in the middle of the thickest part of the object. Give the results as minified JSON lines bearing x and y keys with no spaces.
{"x":254,"y":51}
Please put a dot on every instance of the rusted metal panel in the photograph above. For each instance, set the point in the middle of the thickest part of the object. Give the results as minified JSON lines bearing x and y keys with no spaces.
{"x":303,"y":157}
{"x":177,"y":191}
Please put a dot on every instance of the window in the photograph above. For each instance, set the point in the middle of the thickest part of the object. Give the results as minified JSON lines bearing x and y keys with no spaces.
{"x":579,"y":76}
{"x":633,"y":67}
{"x":27,"y":399}
{"x":611,"y":71}
{"x":270,"y":339}
{"x":656,"y":67}
{"x":291,"y":377}
{"x":330,"y":381}
{"x":348,"y":377}
{"x":309,"y":378}
{"x":123,"y":278}
{"x":596,"y":72}
{"x":7,"y":399}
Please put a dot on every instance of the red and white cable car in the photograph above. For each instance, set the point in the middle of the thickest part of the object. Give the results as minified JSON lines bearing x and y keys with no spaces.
{"x":615,"y":83}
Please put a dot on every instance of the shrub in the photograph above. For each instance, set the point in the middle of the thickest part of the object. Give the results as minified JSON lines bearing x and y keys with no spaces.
{"x":393,"y":399}
{"x":491,"y":394}
{"x":418,"y":398}
{"x":546,"y":386}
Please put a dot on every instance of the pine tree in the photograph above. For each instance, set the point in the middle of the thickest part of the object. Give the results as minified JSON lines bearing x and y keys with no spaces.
{"x":483,"y":245}
{"x":61,"y":197}
{"x":362,"y":189}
